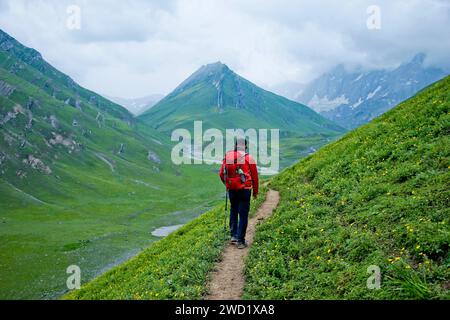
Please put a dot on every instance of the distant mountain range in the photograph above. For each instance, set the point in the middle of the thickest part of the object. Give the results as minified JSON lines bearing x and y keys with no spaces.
{"x":223,"y":99}
{"x":138,"y":105}
{"x":354,"y":98}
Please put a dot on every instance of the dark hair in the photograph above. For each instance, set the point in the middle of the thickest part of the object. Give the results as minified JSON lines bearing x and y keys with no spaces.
{"x":240,"y":142}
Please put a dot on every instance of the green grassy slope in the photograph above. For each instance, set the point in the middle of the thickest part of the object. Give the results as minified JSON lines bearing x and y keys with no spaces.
{"x":176,"y":267}
{"x":29,"y":64}
{"x":69,"y":194}
{"x":379,"y":196}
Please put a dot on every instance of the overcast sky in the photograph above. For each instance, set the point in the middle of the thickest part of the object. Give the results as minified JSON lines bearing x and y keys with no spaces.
{"x":136,"y":48}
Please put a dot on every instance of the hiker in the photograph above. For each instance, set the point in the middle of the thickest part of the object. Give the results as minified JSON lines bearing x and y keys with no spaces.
{"x":239,"y":174}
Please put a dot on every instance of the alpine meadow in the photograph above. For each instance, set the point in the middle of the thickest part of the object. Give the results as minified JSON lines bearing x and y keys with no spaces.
{"x":223,"y":158}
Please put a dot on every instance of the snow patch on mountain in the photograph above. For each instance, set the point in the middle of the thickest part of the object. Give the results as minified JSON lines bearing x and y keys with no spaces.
{"x":325,"y":104}
{"x":357,"y":104}
{"x":359,"y":77}
{"x":372,"y":94}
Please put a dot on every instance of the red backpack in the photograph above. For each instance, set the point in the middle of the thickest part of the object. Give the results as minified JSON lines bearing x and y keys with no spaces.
{"x":236,"y":170}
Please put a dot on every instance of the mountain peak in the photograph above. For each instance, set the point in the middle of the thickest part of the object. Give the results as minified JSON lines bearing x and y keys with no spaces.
{"x":338,"y":71}
{"x":213,"y":68}
{"x":418,"y":58}
{"x":212,"y":73}
{"x":12,"y":46}
{"x":215,"y":64}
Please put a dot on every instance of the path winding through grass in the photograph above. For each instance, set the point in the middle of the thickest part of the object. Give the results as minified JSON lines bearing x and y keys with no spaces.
{"x":227,"y":280}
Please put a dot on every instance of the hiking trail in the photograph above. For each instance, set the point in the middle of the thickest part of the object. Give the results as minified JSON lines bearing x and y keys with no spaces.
{"x":227,"y":280}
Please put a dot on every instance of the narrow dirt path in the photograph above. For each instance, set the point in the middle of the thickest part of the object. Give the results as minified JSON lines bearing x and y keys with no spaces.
{"x":227,"y":281}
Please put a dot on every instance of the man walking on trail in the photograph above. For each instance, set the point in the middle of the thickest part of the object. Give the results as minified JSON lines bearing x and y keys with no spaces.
{"x":239,"y":174}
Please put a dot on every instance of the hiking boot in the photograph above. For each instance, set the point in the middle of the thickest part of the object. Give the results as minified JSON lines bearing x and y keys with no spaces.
{"x":242,"y":245}
{"x":233,"y":240}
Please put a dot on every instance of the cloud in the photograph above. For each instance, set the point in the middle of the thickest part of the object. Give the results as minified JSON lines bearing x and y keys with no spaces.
{"x":136,"y":47}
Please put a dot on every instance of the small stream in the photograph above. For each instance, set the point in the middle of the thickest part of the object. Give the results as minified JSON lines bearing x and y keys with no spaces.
{"x":165,"y":231}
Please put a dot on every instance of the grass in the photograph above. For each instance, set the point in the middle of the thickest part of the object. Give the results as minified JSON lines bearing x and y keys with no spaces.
{"x":378,"y":196}
{"x":176,"y":267}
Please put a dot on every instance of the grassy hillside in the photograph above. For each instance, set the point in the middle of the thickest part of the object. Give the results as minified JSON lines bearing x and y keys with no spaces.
{"x":379,"y":196}
{"x":81,"y":181}
{"x":176,"y":267}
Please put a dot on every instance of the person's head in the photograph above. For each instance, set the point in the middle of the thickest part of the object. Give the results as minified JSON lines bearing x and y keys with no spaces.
{"x":241,"y":144}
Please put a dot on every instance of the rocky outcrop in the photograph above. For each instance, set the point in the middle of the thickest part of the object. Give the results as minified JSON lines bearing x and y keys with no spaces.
{"x":21,"y":174}
{"x":74,"y":103}
{"x":6,"y":42}
{"x":16,"y":67}
{"x":78,"y":105}
{"x":69,"y":143}
{"x":239,"y":103}
{"x":6,"y":89}
{"x":152,"y":156}
{"x":2,"y":158}
{"x":94,"y":101}
{"x":100,"y":119}
{"x":54,"y":121}
{"x":32,"y":103}
{"x":23,"y":143}
{"x":17,"y":109}
{"x":71,"y":84}
{"x":121,"y":149}
{"x":218,"y":84}
{"x":9,"y":139}
{"x":29,"y":124}
{"x":37,"y":164}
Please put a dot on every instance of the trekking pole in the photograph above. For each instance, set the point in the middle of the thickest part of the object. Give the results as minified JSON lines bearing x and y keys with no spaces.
{"x":225,"y":216}
{"x":226,"y":207}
